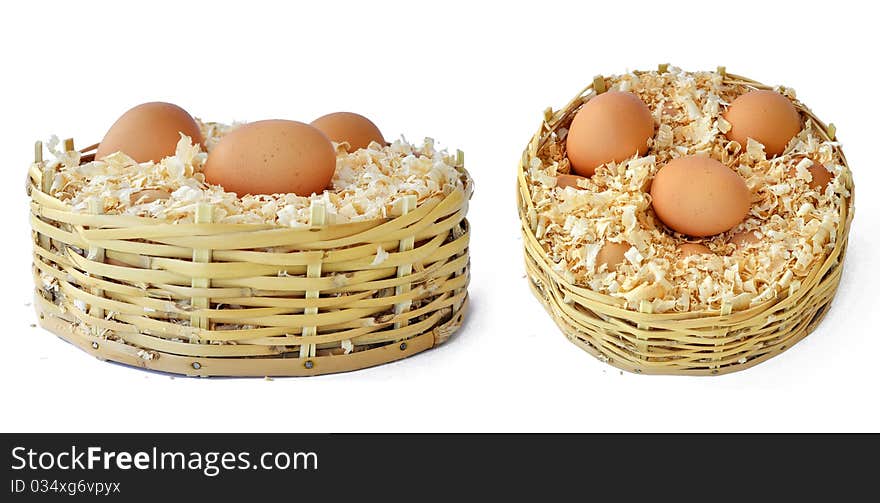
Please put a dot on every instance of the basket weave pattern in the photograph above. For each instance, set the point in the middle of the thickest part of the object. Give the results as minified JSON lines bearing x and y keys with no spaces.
{"x":694,"y":343}
{"x":209,"y":298}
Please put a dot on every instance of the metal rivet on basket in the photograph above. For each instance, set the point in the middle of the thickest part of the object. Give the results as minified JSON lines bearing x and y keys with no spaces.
{"x":94,"y":345}
{"x":197,"y":365}
{"x":403,"y":346}
{"x":309,"y":364}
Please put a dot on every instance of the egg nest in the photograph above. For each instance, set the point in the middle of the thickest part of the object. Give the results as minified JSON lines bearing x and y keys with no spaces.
{"x":368,"y":184}
{"x":796,"y":225}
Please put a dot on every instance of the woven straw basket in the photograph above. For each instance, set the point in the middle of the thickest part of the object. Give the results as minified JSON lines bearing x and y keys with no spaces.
{"x":693,"y":343}
{"x":303,"y":302}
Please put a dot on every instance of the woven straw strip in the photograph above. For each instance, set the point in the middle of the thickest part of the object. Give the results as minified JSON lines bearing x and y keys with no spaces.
{"x":313,"y":270}
{"x":204,"y":215}
{"x":278,"y":366}
{"x":404,"y":269}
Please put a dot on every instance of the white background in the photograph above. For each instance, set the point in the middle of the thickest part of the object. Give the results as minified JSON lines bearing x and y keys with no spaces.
{"x":473,"y":75}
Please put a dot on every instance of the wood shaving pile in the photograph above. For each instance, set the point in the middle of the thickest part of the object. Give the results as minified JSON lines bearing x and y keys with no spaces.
{"x":368,"y":184}
{"x":796,"y":225}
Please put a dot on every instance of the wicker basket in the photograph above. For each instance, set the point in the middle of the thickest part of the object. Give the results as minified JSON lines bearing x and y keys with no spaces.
{"x":694,"y":343}
{"x":156,"y":295}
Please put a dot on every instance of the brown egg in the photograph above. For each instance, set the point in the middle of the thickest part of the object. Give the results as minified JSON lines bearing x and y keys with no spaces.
{"x":764,"y":116}
{"x":349,"y":127}
{"x":699,"y":196}
{"x":821,"y":176}
{"x":612,"y":126}
{"x":272,"y":157}
{"x":563,"y":181}
{"x":611,"y":254}
{"x":688,"y":249}
{"x":149,"y":132}
{"x":744,"y":238}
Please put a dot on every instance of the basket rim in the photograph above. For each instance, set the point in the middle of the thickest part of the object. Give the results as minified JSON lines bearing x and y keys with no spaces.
{"x":46,"y":200}
{"x":552,"y":120}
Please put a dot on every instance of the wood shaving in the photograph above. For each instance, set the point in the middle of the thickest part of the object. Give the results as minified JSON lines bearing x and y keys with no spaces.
{"x":368,"y":184}
{"x":797,"y":225}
